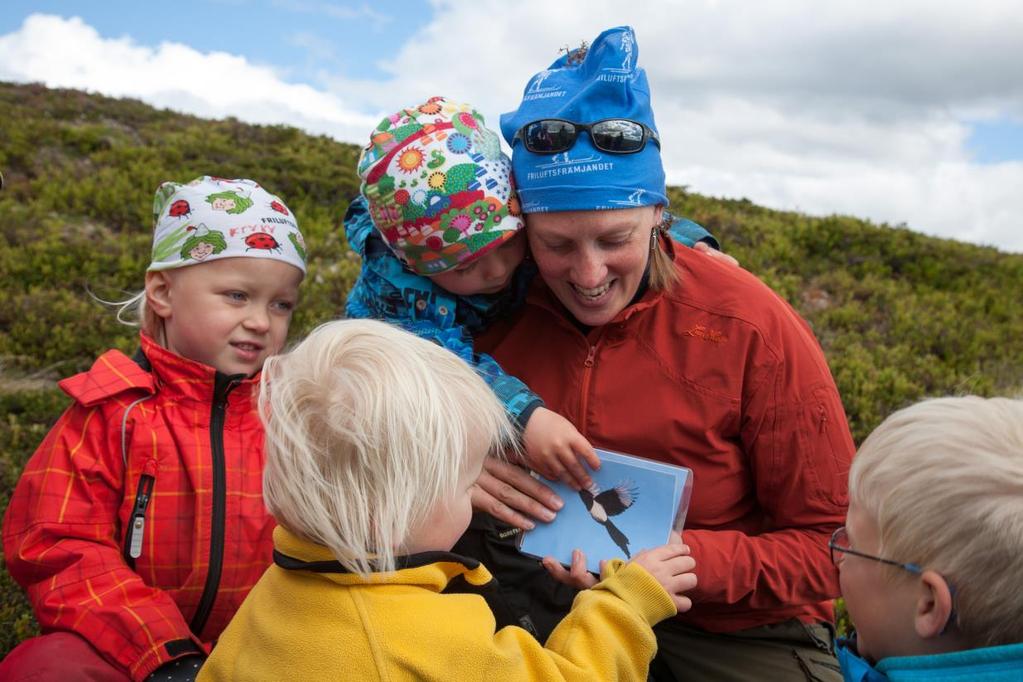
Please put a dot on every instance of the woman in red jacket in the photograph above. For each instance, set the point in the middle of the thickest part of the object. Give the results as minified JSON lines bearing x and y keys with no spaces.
{"x":661,"y":353}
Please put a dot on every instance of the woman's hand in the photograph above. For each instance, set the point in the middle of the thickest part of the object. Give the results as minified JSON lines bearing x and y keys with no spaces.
{"x":510,"y":494}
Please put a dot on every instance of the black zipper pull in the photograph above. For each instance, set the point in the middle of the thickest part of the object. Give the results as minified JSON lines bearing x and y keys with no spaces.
{"x":137,"y":525}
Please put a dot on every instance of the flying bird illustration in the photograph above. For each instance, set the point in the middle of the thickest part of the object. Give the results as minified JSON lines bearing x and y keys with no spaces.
{"x":611,"y":502}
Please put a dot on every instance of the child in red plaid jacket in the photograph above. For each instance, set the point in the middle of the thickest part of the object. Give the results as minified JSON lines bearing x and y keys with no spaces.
{"x":138,"y":526}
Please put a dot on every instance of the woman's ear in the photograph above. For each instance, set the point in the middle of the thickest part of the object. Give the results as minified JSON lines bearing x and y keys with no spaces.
{"x":658,"y":214}
{"x":934,"y":607}
{"x":158,"y":299}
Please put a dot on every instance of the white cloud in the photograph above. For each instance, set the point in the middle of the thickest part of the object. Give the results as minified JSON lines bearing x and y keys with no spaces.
{"x":842,"y":107}
{"x":68,"y":53}
{"x":839,"y":107}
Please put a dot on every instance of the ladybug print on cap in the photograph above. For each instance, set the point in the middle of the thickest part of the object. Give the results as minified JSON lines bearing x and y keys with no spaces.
{"x":263,"y":241}
{"x":210,"y":219}
{"x":179,"y":208}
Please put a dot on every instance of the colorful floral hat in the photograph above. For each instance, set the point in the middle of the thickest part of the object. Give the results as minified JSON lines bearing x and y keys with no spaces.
{"x":212,"y":218}
{"x":438,"y":186}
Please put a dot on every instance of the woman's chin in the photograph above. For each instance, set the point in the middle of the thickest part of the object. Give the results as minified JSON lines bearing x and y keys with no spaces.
{"x":592,"y":311}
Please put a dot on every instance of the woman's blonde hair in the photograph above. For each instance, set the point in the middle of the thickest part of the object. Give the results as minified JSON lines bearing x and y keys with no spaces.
{"x":943,"y":480}
{"x":368,"y":429}
{"x":664,"y":274}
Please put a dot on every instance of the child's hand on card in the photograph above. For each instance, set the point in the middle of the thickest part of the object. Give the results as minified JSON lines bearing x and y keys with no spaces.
{"x":556,"y":450}
{"x":577,"y":576}
{"x":672,"y":567}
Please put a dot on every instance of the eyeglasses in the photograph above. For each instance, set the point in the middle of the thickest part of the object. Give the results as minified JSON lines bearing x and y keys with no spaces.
{"x":612,"y":135}
{"x":839,"y":542}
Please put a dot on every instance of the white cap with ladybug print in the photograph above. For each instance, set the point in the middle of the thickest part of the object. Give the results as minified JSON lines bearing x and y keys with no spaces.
{"x":212,"y":218}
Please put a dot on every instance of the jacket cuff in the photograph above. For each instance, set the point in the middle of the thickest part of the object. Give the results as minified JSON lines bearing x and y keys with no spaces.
{"x":184,"y":669}
{"x":164,"y":653}
{"x":522,"y":418}
{"x":634,"y":585}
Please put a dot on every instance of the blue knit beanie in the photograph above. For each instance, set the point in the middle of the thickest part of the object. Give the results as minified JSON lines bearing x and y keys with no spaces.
{"x":606,"y":83}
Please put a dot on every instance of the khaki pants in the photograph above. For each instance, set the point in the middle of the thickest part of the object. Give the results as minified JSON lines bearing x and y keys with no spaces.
{"x":783,"y":652}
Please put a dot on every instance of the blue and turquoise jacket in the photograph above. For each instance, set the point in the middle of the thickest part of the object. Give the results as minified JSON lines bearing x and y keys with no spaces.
{"x":988,"y":664}
{"x":387,"y":290}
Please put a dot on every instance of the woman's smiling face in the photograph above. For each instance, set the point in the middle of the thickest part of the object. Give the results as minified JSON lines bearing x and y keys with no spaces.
{"x":593,"y":261}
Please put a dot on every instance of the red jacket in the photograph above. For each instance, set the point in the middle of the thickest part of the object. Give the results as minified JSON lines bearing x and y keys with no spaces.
{"x":724,"y":377}
{"x":168,"y":460}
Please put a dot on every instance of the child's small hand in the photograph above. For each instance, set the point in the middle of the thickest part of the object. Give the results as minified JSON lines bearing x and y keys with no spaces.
{"x":555,"y":449}
{"x":707,"y":249}
{"x":672,"y":567}
{"x":576,"y":576}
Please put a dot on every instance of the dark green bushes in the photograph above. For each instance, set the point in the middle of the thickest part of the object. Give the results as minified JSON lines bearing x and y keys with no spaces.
{"x":900,"y":315}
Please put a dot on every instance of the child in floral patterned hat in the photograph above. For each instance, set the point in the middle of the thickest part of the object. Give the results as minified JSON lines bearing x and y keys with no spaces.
{"x":439,"y":230}
{"x":138,"y":526}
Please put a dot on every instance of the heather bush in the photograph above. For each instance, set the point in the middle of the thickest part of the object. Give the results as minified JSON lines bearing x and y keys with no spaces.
{"x":900,"y":315}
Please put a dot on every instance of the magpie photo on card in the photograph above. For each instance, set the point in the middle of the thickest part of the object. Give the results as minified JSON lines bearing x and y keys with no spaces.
{"x":611,"y":502}
{"x":633,"y":504}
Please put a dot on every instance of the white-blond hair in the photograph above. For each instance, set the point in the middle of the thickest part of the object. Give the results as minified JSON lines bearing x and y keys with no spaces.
{"x":368,"y":429}
{"x":134,"y":312}
{"x":943,"y":481}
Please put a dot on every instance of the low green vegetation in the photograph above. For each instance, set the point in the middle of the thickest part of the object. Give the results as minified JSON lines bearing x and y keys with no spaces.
{"x":900,"y":315}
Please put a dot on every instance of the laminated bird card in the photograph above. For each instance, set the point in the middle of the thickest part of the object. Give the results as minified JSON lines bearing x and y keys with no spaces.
{"x":634,"y":504}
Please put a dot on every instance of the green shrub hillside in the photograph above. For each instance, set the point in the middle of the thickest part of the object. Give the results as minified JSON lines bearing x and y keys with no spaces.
{"x":900,"y":315}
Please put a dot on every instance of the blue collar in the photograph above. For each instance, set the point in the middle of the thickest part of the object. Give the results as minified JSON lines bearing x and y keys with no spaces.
{"x":854,"y":667}
{"x":1003,"y":662}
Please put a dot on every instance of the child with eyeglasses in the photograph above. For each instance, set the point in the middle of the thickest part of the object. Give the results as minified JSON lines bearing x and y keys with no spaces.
{"x":931,"y":557}
{"x":439,"y":230}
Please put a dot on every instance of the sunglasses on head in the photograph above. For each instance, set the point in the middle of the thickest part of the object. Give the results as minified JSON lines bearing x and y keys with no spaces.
{"x":612,"y":135}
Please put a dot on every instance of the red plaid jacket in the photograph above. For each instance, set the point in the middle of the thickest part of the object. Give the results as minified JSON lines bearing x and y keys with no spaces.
{"x":139,"y":522}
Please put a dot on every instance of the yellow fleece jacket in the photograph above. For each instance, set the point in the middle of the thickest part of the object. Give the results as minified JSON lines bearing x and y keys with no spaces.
{"x":314,"y":621}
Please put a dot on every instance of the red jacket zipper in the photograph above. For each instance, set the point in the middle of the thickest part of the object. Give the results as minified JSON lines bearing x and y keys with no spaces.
{"x":587,"y":374}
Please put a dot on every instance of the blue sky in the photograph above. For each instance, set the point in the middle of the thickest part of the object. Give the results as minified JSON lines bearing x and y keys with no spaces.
{"x":997,"y":141}
{"x":302,"y":38}
{"x":902,"y":113}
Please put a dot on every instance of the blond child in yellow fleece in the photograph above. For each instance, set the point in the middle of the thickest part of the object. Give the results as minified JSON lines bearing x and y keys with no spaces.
{"x":374,"y":440}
